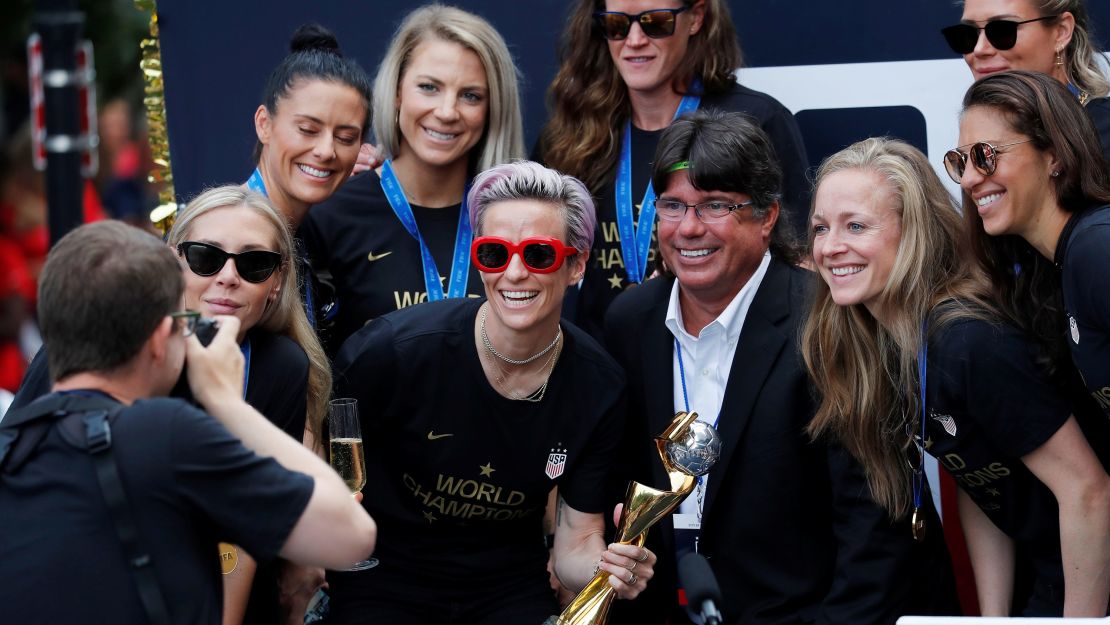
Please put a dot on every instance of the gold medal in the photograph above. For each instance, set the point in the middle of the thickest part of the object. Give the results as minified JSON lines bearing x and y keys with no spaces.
{"x":917,"y":522}
{"x":229,"y":558}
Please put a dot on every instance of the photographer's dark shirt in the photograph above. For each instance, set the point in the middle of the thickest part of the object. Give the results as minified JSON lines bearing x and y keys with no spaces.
{"x":190,"y":484}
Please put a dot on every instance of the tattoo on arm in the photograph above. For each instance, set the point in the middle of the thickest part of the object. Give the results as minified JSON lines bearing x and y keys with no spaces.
{"x":559,"y":512}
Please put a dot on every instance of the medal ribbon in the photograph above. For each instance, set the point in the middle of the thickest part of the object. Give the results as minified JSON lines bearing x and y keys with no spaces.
{"x":922,"y":368}
{"x":257,"y":184}
{"x":246,"y":349}
{"x":636,"y":241}
{"x":460,"y":266}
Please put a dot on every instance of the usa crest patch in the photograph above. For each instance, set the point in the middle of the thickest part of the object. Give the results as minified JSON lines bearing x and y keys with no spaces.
{"x":556,"y":462}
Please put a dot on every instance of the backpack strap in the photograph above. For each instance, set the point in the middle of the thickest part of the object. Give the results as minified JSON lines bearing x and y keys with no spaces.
{"x":98,"y":436}
{"x":23,"y":431}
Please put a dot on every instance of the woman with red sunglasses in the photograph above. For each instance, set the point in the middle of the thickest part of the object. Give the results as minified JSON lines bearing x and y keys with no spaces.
{"x":477,"y":410}
{"x":1049,"y":36}
{"x":628,"y":68}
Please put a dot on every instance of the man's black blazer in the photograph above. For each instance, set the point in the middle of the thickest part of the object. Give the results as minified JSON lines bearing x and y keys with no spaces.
{"x":788,"y":525}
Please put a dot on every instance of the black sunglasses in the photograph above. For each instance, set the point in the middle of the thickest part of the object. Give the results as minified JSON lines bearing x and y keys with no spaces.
{"x":1002,"y":34}
{"x":655,"y":23}
{"x":983,"y":155}
{"x":207,"y":260}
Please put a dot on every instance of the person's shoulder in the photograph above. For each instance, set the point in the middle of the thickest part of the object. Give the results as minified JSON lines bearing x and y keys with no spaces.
{"x":639,"y":299}
{"x":1091,"y":235}
{"x":742,"y":99}
{"x":587,"y":351}
{"x":969,"y":337}
{"x":277,"y":348}
{"x":163,"y":412}
{"x":352,"y":195}
{"x":426,"y":321}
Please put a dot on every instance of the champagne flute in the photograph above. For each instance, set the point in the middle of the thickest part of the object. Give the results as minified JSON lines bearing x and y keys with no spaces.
{"x":346,"y":453}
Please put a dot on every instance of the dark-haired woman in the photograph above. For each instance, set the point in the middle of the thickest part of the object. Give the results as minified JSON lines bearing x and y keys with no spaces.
{"x":314,"y":114}
{"x":1049,"y":36}
{"x":628,"y":68}
{"x":445,"y":107}
{"x":911,"y":355}
{"x":1037,"y":195}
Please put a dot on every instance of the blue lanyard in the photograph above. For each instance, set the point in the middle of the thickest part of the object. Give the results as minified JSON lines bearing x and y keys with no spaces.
{"x":257,"y":184}
{"x":460,"y":266}
{"x":246,"y":349}
{"x":636,"y":241}
{"x":922,"y":368}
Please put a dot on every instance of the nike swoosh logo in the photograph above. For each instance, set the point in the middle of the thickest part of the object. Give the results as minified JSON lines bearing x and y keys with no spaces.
{"x":371,"y":257}
{"x":432,"y":436}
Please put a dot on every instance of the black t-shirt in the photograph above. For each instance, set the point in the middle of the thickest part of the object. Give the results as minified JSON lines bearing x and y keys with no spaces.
{"x":375,"y":264}
{"x":989,"y":405}
{"x":1099,"y":111}
{"x":457,"y":475}
{"x":1083,"y":255}
{"x":190,"y":484}
{"x":277,"y":382}
{"x":277,"y":386}
{"x":606,"y":276}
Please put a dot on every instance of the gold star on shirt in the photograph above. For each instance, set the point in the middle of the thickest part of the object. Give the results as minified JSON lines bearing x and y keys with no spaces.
{"x":487,"y":470}
{"x":928,"y":443}
{"x":429,"y":517}
{"x":615,"y":281}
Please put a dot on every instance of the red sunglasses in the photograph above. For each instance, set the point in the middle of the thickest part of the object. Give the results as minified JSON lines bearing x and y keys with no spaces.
{"x":539,"y":254}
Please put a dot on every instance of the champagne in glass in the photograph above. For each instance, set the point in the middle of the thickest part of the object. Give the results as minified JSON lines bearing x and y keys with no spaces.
{"x":346,"y":453}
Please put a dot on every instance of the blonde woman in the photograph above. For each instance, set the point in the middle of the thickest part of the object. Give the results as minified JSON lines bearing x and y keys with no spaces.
{"x":909,"y":353}
{"x":446,"y":106}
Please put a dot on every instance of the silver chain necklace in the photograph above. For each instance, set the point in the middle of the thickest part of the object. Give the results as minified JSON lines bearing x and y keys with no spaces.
{"x":511,"y":361}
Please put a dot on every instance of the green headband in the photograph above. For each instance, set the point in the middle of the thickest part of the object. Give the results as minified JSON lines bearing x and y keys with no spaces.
{"x":678,"y":166}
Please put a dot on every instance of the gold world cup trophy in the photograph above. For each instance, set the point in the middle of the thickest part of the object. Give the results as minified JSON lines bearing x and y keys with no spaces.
{"x":688,"y":448}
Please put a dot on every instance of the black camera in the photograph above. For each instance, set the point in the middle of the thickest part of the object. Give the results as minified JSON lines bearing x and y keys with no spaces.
{"x":206,"y":330}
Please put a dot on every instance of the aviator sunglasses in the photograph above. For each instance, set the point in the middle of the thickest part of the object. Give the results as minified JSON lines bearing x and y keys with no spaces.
{"x":983,"y":155}
{"x":656,"y":23}
{"x":1002,"y":34}
{"x":254,"y":266}
{"x":539,"y":254}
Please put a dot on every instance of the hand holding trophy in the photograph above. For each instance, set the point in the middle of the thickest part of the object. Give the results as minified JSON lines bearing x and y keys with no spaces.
{"x":688,"y":448}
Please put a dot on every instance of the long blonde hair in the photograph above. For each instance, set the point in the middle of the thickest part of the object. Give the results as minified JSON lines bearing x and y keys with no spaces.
{"x":865,"y":371}
{"x":1080,"y":62}
{"x":286,"y":315}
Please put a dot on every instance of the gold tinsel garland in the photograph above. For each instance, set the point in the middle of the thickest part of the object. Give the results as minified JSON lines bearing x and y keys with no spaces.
{"x":155,"y":101}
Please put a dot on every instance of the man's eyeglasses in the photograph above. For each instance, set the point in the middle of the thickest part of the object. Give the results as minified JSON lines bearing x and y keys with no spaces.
{"x":539,"y":254}
{"x":656,"y":23}
{"x":1002,"y":34}
{"x":983,"y":155}
{"x":254,"y":266}
{"x":707,"y":212}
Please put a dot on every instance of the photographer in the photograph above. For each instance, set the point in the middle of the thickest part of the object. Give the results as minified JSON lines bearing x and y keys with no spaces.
{"x":187,"y":480}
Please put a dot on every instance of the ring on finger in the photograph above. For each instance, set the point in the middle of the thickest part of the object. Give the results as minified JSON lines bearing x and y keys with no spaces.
{"x":633,"y":567}
{"x":631,"y":578}
{"x":643,"y":558}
